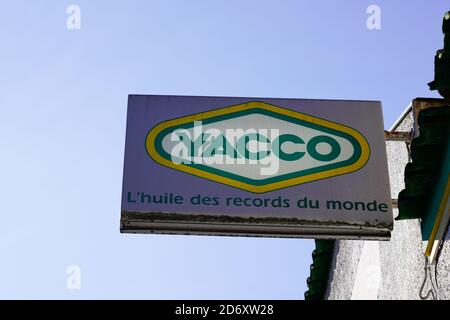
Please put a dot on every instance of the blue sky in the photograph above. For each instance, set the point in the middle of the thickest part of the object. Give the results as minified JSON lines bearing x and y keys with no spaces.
{"x":63,"y":96}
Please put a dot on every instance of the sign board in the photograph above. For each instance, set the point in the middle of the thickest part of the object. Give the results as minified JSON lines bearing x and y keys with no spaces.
{"x":255,"y":167}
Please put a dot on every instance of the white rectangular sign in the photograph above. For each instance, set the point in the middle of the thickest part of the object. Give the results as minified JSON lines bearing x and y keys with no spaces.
{"x":255,"y":166}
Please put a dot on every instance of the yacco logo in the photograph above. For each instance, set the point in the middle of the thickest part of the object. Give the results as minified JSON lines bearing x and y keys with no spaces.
{"x":257,"y":147}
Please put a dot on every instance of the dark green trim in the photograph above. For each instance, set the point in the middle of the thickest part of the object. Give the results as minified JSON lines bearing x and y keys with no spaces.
{"x":426,"y":176}
{"x":320,"y":270}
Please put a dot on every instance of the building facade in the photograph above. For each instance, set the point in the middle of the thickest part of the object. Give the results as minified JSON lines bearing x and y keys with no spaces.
{"x":395,"y":269}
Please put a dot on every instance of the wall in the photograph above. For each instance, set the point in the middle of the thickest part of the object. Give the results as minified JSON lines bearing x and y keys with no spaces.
{"x":390,"y":269}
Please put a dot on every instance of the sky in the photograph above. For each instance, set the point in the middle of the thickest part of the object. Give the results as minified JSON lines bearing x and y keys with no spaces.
{"x":63,"y":98}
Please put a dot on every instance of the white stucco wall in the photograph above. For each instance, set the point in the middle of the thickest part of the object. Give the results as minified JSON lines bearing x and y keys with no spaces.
{"x":368,"y":275}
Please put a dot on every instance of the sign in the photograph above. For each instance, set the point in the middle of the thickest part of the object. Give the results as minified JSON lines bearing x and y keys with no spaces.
{"x":257,"y":167}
